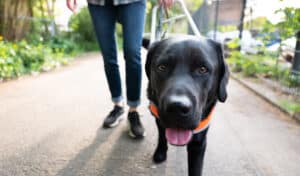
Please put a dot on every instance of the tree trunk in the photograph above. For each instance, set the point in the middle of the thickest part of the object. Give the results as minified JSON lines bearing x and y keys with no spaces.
{"x":14,"y":14}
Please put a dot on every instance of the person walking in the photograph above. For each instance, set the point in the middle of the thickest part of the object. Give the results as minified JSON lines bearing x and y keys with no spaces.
{"x":131,"y":15}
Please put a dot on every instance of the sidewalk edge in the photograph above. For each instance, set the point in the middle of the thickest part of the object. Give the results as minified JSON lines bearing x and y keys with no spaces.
{"x":273,"y":103}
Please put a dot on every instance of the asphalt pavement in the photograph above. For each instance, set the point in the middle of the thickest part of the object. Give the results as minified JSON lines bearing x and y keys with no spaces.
{"x":50,"y":125}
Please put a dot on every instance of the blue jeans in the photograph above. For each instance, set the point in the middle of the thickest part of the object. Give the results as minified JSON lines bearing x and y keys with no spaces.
{"x":131,"y":17}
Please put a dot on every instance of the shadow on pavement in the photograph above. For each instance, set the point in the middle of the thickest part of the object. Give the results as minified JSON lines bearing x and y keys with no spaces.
{"x":113,"y":152}
{"x":77,"y":164}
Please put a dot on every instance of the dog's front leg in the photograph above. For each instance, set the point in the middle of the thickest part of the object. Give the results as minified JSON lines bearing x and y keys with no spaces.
{"x":196,"y":150}
{"x":160,"y":153}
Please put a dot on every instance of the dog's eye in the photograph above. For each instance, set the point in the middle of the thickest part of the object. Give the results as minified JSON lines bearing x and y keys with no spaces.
{"x":201,"y":70}
{"x":162,"y":68}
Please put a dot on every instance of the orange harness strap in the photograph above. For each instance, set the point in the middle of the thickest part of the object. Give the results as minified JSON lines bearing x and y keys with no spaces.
{"x":203,"y":124}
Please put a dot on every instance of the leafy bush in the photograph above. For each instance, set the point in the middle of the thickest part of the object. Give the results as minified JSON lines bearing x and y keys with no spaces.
{"x":17,"y":58}
{"x":43,"y":54}
{"x":82,"y":26}
{"x":45,"y":51}
{"x":263,"y":65}
{"x":288,"y":79}
{"x":252,"y":65}
{"x":33,"y":57}
{"x":236,"y":61}
{"x":11,"y":65}
{"x":63,"y":43}
{"x":291,"y":106}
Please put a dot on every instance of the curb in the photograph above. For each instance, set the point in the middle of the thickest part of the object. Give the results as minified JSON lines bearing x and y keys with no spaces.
{"x":273,"y":103}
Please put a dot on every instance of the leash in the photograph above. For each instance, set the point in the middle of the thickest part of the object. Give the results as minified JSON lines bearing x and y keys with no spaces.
{"x":159,"y":12}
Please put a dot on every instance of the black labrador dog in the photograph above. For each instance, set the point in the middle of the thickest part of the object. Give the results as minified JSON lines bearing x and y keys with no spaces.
{"x":187,"y":76}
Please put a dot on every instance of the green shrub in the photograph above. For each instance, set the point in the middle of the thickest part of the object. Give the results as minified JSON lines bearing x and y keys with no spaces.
{"x":21,"y":57}
{"x":294,"y":80}
{"x":243,"y":63}
{"x":33,"y":57}
{"x":250,"y":68}
{"x":291,"y":106}
{"x":236,"y":60}
{"x":287,"y":78}
{"x":82,"y":26}
{"x":11,"y":65}
{"x":64,"y":43}
{"x":45,"y":52}
{"x":263,"y":65}
{"x":252,"y":65}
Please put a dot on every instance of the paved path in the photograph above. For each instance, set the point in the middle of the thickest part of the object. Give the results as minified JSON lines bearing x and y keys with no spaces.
{"x":50,"y":125}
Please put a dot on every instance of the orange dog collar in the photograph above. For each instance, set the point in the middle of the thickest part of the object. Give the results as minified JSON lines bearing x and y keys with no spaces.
{"x":201,"y":126}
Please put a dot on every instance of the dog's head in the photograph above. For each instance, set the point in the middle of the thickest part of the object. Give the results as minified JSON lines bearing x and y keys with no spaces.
{"x":187,"y":76}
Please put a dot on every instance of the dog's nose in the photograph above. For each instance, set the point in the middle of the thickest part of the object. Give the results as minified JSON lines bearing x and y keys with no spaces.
{"x":179,"y":105}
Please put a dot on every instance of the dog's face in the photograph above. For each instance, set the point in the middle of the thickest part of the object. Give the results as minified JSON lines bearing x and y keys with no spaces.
{"x":186,"y":78}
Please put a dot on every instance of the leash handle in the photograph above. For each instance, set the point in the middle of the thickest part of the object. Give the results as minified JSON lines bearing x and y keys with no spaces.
{"x":156,"y":31}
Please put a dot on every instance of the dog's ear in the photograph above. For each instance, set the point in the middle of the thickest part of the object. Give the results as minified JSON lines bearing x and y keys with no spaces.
{"x":222,"y":94}
{"x":224,"y":72}
{"x":151,"y":52}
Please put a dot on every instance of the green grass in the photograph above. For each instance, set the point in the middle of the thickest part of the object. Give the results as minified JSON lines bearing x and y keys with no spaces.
{"x":290,"y":106}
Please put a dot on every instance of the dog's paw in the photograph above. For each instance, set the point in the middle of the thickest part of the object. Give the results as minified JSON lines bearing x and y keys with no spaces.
{"x":159,"y":156}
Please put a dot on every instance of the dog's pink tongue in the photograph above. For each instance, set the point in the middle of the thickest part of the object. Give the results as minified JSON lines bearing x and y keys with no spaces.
{"x":176,"y":136}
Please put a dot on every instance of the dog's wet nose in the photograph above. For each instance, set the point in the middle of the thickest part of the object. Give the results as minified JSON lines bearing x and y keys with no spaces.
{"x":178,"y":108}
{"x":179,"y":105}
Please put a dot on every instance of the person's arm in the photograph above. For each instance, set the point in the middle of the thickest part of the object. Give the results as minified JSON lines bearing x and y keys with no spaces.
{"x":166,"y":3}
{"x":71,"y":4}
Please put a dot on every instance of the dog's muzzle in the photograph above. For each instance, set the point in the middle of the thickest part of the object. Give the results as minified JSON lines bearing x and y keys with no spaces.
{"x":178,"y":105}
{"x":203,"y":125}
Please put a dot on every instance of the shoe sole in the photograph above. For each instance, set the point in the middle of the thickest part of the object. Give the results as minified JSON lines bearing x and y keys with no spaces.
{"x":133,"y":135}
{"x":116,"y":123}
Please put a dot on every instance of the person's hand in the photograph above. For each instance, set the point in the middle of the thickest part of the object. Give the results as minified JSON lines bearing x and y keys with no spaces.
{"x":71,"y":4}
{"x":166,"y":3}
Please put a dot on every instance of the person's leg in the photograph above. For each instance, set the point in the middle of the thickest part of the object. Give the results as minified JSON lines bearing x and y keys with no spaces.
{"x":132,"y":16}
{"x":104,"y":20}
